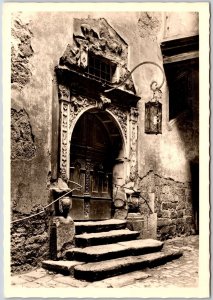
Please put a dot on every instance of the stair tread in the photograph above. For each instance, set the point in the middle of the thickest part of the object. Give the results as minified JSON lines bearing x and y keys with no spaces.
{"x":61,"y":266}
{"x":62,"y":263}
{"x":104,"y":234}
{"x":120,"y":246}
{"x":108,"y":265}
{"x":100,"y":223}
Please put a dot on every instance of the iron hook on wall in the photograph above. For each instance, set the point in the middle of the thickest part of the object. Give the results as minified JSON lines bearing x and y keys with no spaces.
{"x":153,"y":108}
{"x":153,"y":86}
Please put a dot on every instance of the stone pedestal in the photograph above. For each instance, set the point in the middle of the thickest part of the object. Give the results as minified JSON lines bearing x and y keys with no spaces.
{"x":150,"y":226}
{"x":135,"y":221}
{"x":62,"y":232}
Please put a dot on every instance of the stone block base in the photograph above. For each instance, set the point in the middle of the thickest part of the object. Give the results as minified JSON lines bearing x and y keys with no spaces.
{"x":150,"y":226}
{"x":62,"y":232}
{"x":135,"y":221}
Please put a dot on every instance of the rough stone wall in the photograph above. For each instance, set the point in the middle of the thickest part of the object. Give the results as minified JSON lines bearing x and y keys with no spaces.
{"x":21,"y":52}
{"x":174,"y":208}
{"x":29,"y":241}
{"x":22,"y":139}
{"x":172,"y":203}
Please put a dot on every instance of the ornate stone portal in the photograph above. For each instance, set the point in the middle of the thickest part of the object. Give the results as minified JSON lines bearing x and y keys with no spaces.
{"x":79,"y":91}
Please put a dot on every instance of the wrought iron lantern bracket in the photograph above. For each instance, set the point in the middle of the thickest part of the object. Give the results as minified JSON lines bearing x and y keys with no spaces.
{"x":153,"y":108}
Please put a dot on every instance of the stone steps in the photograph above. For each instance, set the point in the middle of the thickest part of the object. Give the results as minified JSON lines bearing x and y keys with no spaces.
{"x":101,"y":252}
{"x":95,"y":271}
{"x":100,"y":270}
{"x":99,"y":226}
{"x":121,"y":249}
{"x":105,"y":237}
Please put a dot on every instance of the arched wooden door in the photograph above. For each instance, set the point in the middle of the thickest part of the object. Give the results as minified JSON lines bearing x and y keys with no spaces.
{"x":91,"y":163}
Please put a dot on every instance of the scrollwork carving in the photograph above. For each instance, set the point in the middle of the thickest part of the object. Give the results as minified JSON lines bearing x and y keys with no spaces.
{"x":86,"y":209}
{"x":87,"y":176}
{"x":78,"y":103}
{"x":64,"y":138}
{"x":121,"y":116}
{"x":133,"y":142}
{"x":134,"y":114}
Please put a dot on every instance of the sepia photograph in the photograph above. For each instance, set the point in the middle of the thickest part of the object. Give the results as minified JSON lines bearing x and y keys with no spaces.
{"x":106,"y":126}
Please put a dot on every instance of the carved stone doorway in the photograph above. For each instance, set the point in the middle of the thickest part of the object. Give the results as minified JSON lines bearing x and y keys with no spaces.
{"x":96,"y":145}
{"x":96,"y":130}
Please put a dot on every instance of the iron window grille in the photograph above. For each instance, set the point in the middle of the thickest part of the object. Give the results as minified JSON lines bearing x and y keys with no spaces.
{"x":100,"y":68}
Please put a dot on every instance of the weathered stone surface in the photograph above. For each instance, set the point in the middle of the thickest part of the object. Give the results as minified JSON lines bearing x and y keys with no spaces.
{"x":189,"y":211}
{"x":168,"y":205}
{"x":62,"y":266}
{"x":99,"y":238}
{"x":173,"y":215}
{"x":180,"y":273}
{"x":164,"y":214}
{"x":136,"y":225}
{"x":72,"y":282}
{"x":97,"y":226}
{"x":163,"y":222}
{"x":29,"y":242}
{"x":167,"y":231}
{"x":21,"y":52}
{"x":181,"y":205}
{"x":100,"y":270}
{"x":149,"y":24}
{"x":126,"y":279}
{"x":35,"y":274}
{"x":150,"y":226}
{"x":188,"y":219}
{"x":65,"y":231}
{"x":22,"y":139}
{"x":180,"y":213}
{"x":166,"y":189}
{"x":121,"y":213}
{"x":97,"y":253}
{"x":135,"y":221}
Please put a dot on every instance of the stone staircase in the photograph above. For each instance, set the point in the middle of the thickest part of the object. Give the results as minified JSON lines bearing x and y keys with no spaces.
{"x":107,"y":248}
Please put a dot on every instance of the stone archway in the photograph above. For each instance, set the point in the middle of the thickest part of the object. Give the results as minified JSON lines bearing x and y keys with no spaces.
{"x":96,"y":163}
{"x":80,"y":90}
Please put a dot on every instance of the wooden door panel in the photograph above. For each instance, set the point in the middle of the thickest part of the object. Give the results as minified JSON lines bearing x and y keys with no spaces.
{"x":77,"y":211}
{"x":100,"y":209}
{"x":91,"y":167}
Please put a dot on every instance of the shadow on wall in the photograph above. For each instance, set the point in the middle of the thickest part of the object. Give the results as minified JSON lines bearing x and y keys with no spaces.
{"x":183,"y":82}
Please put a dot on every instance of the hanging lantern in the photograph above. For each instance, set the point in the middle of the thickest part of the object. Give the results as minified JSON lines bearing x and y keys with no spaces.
{"x":153,"y":114}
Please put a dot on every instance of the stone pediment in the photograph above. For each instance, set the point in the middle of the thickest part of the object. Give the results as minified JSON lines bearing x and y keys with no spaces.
{"x":101,"y":39}
{"x":96,"y":37}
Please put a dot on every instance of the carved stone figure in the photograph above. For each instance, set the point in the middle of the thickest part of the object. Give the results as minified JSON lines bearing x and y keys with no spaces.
{"x":104,"y":102}
{"x":65,"y":205}
{"x":96,"y":36}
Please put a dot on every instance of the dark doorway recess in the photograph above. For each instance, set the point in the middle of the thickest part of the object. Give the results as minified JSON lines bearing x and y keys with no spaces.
{"x":95,"y":145}
{"x":182,"y":79}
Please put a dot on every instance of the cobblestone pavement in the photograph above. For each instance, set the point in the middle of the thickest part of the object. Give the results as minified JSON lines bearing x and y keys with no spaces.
{"x":182,"y":272}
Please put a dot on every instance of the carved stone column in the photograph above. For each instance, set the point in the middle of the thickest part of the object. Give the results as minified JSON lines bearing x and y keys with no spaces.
{"x":133,"y":142}
{"x":64,"y":98}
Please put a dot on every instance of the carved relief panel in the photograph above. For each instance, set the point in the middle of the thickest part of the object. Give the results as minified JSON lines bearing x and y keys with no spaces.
{"x":133,"y":142}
